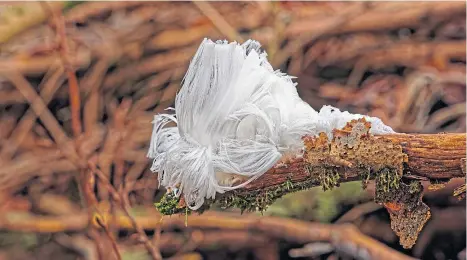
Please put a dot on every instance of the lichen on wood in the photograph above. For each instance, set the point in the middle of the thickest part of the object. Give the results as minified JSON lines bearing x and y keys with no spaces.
{"x":353,"y":152}
{"x":459,"y":192}
{"x":437,"y":184}
{"x":407,"y":211}
{"x":354,"y":149}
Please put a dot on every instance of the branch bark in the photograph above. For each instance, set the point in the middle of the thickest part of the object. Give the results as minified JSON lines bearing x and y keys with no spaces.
{"x":352,"y":154}
{"x":397,"y":162}
{"x":430,"y":157}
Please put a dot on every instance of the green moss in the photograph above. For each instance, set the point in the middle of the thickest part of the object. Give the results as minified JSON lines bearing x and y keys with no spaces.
{"x":415,"y":187}
{"x":329,"y":178}
{"x":387,"y":179}
{"x":168,"y":204}
{"x":387,"y":182}
{"x":365,"y":174}
{"x":260,"y":200}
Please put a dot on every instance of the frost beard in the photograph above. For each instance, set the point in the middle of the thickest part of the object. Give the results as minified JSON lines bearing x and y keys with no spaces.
{"x":234,"y":115}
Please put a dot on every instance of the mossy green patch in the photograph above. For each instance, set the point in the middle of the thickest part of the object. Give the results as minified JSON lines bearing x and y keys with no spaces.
{"x":168,"y":204}
{"x":387,"y":179}
{"x":259,"y":200}
{"x":329,"y":178}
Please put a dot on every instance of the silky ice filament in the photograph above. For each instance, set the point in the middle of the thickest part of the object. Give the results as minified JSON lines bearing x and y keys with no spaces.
{"x":235,"y":116}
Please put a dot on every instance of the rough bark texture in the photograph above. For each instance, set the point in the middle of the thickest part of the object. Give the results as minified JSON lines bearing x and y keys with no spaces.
{"x":430,"y":156}
{"x":352,"y":154}
{"x":396,"y":162}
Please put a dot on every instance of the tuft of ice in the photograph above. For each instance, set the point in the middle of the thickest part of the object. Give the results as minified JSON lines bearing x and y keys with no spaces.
{"x":234,"y":115}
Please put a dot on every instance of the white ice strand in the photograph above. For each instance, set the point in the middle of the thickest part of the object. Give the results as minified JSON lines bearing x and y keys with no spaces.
{"x":234,"y":115}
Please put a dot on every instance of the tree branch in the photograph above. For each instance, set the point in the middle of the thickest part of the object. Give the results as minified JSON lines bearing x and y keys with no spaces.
{"x":430,"y":157}
{"x":352,"y":154}
{"x":397,"y":162}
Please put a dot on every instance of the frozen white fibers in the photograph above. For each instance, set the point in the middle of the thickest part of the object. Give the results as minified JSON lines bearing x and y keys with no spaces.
{"x":234,"y":115}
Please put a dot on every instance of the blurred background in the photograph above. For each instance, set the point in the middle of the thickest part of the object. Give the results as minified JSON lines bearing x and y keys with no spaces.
{"x":80,"y":83}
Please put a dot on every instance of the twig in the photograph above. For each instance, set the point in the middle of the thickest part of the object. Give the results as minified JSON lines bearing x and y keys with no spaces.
{"x":149,"y":65}
{"x":444,"y":220}
{"x":87,"y":183}
{"x":312,"y":250}
{"x":91,"y":85}
{"x":84,"y":11}
{"x":449,"y":149}
{"x":79,"y":243}
{"x":41,"y":110}
{"x":358,"y":211}
{"x":354,"y":154}
{"x":74,"y":91}
{"x":385,"y":16}
{"x":32,"y":14}
{"x":123,"y":200}
{"x":361,"y":246}
{"x":411,"y":54}
{"x":188,"y":256}
{"x":460,"y":191}
{"x":222,"y":25}
{"x":37,"y":65}
{"x":329,"y":25}
{"x":28,"y":119}
{"x":180,"y":38}
{"x":442,"y":116}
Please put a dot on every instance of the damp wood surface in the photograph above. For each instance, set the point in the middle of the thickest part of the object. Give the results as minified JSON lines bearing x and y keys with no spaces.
{"x":430,"y":156}
{"x":352,"y":154}
{"x":397,"y":163}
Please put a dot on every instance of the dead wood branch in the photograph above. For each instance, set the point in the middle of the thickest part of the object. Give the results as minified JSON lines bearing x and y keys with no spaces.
{"x":39,"y":64}
{"x":355,"y":154}
{"x":430,"y":156}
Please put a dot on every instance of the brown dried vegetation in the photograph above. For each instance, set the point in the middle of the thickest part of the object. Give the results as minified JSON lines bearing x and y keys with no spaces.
{"x":79,"y":88}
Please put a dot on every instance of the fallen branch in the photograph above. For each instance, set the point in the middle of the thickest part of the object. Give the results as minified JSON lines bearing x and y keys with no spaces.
{"x":354,"y":154}
{"x":433,"y":157}
{"x":74,"y":96}
{"x":37,"y":65}
{"x":430,"y":157}
{"x":125,"y":205}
